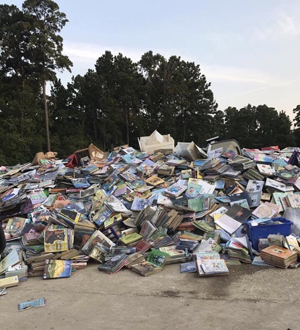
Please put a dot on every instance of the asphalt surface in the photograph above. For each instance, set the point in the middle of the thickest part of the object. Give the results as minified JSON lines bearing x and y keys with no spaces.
{"x":249,"y":298}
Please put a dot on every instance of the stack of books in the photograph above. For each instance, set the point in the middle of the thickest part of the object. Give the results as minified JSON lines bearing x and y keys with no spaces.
{"x":278,"y":256}
{"x":253,"y":174}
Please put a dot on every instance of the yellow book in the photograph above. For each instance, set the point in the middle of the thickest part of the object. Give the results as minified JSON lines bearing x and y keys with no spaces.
{"x":131,"y":238}
{"x":9,"y":282}
{"x":56,"y":240}
{"x":112,"y":220}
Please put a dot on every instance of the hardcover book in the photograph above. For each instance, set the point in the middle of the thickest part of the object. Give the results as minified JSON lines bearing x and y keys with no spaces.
{"x":211,"y":267}
{"x":57,"y":269}
{"x":57,"y":240}
{"x":114,"y":264}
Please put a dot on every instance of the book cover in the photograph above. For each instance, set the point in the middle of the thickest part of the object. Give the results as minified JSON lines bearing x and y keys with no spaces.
{"x":172,"y":252}
{"x":263,"y":211}
{"x":14,"y":226}
{"x":157,"y":258}
{"x":276,"y":185}
{"x":278,"y":256}
{"x":131,"y":238}
{"x":293,"y":200}
{"x":243,"y":203}
{"x":80,"y":183}
{"x":193,"y":190}
{"x":9,"y":282}
{"x":11,"y":259}
{"x":135,"y":184}
{"x":99,"y":252}
{"x":37,"y":197}
{"x":206,"y":255}
{"x":196,"y":204}
{"x":266,"y":170}
{"x":140,"y":203}
{"x":145,"y":269}
{"x":211,"y":267}
{"x":155,"y":180}
{"x":56,"y":240}
{"x":255,"y":186}
{"x":186,"y":174}
{"x":239,"y":196}
{"x":114,"y":264}
{"x":261,"y":158}
{"x":228,"y":224}
{"x":32,"y":304}
{"x":188,"y":267}
{"x":176,"y":189}
{"x":112,"y":220}
{"x":57,"y":269}
{"x":97,"y":236}
{"x":238,"y":213}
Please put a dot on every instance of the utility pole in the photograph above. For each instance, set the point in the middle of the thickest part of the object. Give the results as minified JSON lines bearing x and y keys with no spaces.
{"x":46,"y":116}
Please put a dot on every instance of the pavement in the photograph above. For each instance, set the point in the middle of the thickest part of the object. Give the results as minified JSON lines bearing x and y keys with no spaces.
{"x":249,"y":298}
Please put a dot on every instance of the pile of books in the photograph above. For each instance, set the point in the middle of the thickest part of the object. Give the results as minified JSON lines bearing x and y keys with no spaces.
{"x":143,"y":210}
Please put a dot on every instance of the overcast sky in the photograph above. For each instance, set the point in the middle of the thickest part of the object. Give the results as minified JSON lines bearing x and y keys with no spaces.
{"x":248,"y":50}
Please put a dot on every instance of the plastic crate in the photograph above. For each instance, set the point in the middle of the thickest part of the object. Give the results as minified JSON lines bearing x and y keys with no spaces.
{"x":263,"y":231}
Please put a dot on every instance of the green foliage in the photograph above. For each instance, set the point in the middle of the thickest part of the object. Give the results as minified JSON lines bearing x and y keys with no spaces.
{"x":177,"y":96}
{"x":116,"y":102}
{"x":296,"y":111}
{"x":256,"y":127}
{"x":31,"y":52}
{"x":45,"y":45}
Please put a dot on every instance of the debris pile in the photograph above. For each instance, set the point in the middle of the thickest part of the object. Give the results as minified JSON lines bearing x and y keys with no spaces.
{"x":142,"y":211}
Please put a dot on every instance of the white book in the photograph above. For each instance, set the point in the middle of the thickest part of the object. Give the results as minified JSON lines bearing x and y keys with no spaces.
{"x":228,"y":224}
{"x":263,"y":211}
{"x":265,"y":169}
{"x":278,"y":185}
{"x":211,"y":267}
{"x":255,"y":186}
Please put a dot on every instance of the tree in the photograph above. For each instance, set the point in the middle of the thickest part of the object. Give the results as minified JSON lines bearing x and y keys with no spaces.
{"x":15,"y":57}
{"x":127,"y":91}
{"x":219,"y":128}
{"x":68,"y":125}
{"x":257,"y":127}
{"x":19,"y":92}
{"x":45,"y":44}
{"x":285,"y":138}
{"x":296,"y":111}
{"x":178,"y":99}
{"x":153,"y":70}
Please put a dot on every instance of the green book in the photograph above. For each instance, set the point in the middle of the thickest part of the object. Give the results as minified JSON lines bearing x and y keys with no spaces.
{"x":202,"y":225}
{"x":157,"y":258}
{"x":196,"y":204}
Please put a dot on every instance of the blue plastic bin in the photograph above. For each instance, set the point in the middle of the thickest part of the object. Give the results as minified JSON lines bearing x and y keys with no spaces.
{"x":263,"y":231}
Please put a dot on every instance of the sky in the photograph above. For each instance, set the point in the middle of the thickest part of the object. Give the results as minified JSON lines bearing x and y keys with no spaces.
{"x":248,"y":50}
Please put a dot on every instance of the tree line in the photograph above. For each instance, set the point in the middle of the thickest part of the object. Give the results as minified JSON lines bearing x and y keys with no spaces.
{"x":113,"y":103}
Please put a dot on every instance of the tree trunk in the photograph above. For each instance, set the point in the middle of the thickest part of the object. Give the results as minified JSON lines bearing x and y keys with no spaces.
{"x":46,"y":116}
{"x":127,"y":127}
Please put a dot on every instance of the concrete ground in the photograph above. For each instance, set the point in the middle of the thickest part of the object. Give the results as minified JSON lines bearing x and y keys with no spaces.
{"x":249,"y":298}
